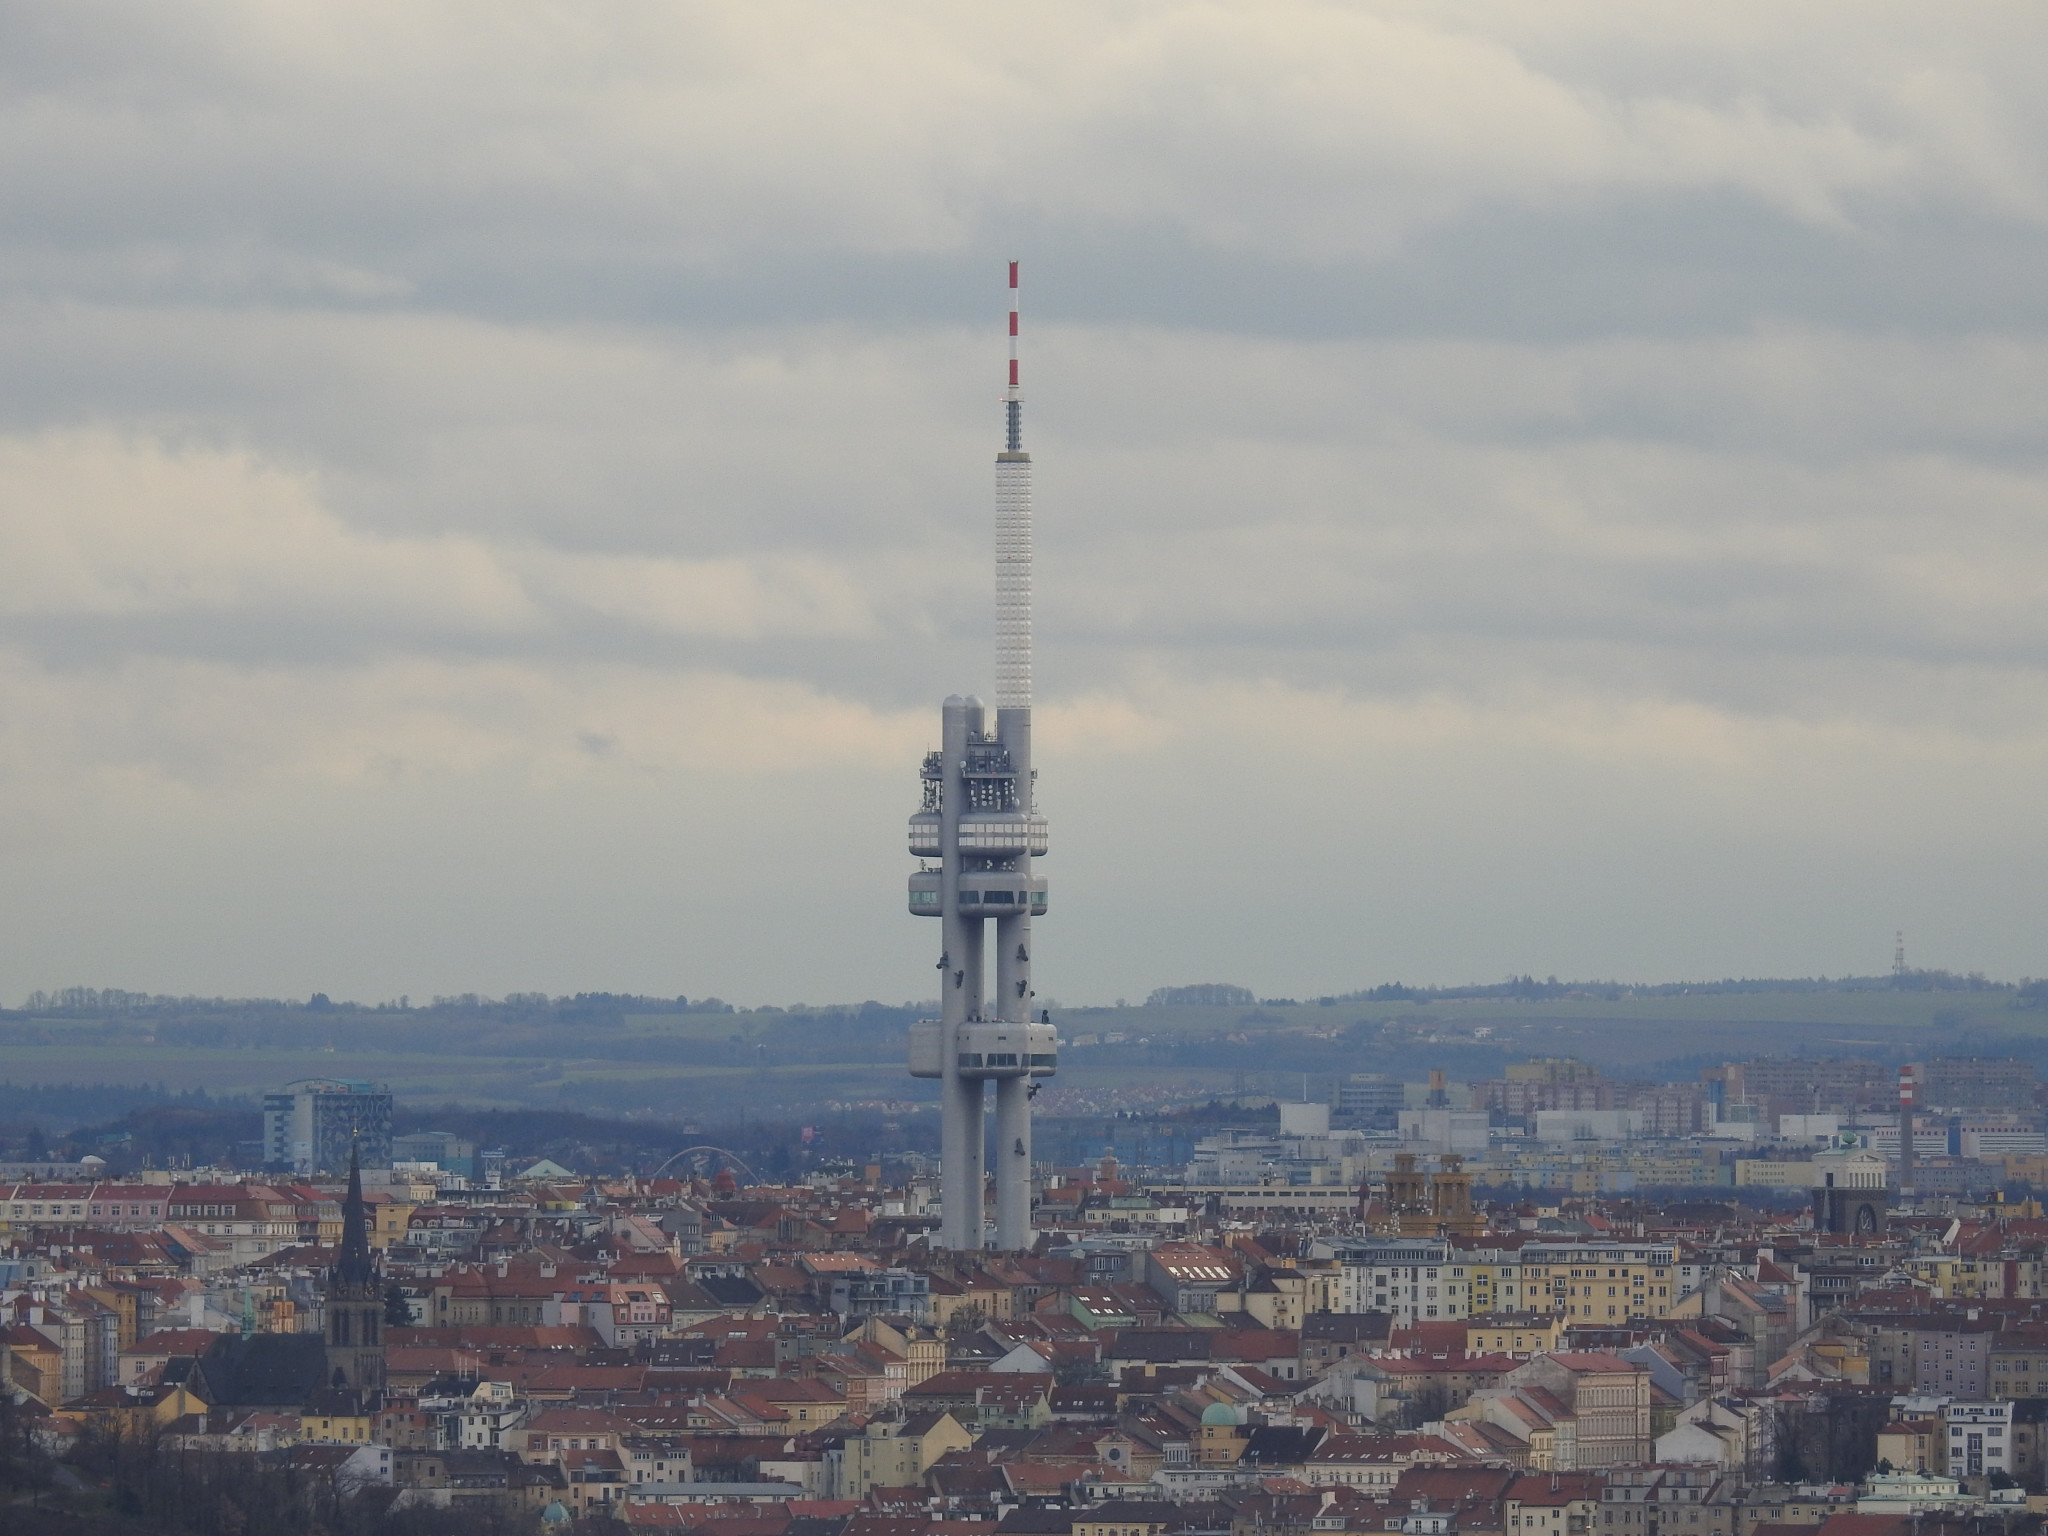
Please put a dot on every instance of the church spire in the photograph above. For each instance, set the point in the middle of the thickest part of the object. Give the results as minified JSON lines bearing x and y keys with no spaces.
{"x":355,"y":1266}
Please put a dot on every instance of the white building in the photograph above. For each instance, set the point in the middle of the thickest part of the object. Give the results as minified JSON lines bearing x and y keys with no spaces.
{"x":1809,"y":1127}
{"x":1723,"y":1431}
{"x":1911,"y":1493}
{"x":1588,"y":1124}
{"x":1304,"y":1119}
{"x":1979,"y":1438}
{"x":489,"y":1414}
{"x":1930,"y":1137}
{"x":1464,"y":1131}
{"x":2000,"y":1137}
{"x":1414,"y":1278}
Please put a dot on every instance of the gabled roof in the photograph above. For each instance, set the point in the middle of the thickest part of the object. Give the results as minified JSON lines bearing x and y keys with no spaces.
{"x":1556,"y":1488}
{"x":274,"y":1370}
{"x":1349,"y":1327}
{"x":967,"y":1383}
{"x":1191,"y":1263}
{"x":569,"y":1421}
{"x":1847,"y":1524}
{"x":1487,"y":1441}
{"x":1592,"y":1362}
{"x":1161,"y":1344}
{"x":1027,"y":1520}
{"x":174,"y":1341}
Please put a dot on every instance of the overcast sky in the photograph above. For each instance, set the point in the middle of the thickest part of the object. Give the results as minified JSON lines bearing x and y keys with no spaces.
{"x":493,"y":493}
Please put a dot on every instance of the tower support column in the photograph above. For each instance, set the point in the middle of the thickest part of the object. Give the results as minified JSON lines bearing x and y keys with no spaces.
{"x":1013,"y":963}
{"x":961,"y":1174}
{"x":1013,"y":1094}
{"x":1013,"y":1163}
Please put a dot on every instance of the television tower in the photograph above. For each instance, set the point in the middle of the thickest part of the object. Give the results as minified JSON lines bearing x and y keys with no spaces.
{"x":976,"y":833}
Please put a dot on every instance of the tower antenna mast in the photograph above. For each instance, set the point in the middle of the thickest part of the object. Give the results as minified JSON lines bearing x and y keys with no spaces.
{"x":979,"y":821}
{"x":1013,"y":541}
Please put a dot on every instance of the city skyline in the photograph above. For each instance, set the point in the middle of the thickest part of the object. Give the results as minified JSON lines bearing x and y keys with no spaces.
{"x":1520,"y":590}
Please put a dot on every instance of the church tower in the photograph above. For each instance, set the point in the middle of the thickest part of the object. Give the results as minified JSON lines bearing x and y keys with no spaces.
{"x":355,"y":1299}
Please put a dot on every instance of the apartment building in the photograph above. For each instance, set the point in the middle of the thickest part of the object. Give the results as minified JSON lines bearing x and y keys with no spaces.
{"x":1980,"y":1438}
{"x":1609,"y":1395}
{"x":1944,"y":1353}
{"x":1414,"y":1278}
{"x":1512,"y":1333}
{"x":1604,"y":1282}
{"x":2019,"y":1363}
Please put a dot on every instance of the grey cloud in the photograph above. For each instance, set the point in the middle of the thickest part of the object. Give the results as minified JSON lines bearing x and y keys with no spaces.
{"x":445,"y":150}
{"x":531,"y":463}
{"x":1802,"y":492}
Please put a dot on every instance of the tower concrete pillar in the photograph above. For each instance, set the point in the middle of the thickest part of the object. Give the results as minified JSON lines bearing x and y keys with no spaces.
{"x":960,"y":1099}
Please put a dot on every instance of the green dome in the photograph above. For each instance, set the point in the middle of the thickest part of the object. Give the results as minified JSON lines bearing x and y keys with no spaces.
{"x":1219,"y":1413}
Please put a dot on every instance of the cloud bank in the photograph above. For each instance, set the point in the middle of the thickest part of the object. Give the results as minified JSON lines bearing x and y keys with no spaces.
{"x":493,"y":494}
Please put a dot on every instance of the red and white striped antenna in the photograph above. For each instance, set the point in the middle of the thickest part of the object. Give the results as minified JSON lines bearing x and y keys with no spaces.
{"x":1013,"y":541}
{"x":1013,"y":398}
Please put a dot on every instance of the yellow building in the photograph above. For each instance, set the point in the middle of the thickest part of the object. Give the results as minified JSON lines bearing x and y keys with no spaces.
{"x":1324,"y":1282}
{"x":2019,"y":1366}
{"x":923,"y":1350}
{"x":392,"y":1219}
{"x":1497,"y":1286}
{"x":1122,"y":1518}
{"x":1513,"y":1333}
{"x":1913,"y":1445}
{"x":896,"y":1450}
{"x":924,"y":1358}
{"x":134,"y":1414}
{"x":35,"y":1364}
{"x":1575,"y":1282}
{"x":337,"y":1428}
{"x":1773,"y":1173}
{"x":1275,"y":1299}
{"x":1689,"y":1169}
{"x":1221,"y":1439}
{"x":1600,"y":1282}
{"x":119,"y":1300}
{"x":2027,"y":1168}
{"x":1976,"y":1279}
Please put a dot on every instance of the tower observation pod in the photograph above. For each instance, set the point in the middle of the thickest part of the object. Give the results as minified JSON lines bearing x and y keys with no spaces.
{"x":977,"y":830}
